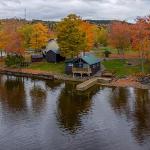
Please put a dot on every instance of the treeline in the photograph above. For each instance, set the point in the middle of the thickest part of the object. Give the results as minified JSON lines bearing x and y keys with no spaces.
{"x":75,"y":35}
{"x":16,"y":36}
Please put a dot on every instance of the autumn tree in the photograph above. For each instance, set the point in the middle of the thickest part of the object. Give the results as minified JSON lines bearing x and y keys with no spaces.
{"x":26,"y":33}
{"x":71,"y":39}
{"x":141,"y":38}
{"x":11,"y":39}
{"x":101,"y":36}
{"x":119,"y":37}
{"x":88,"y":30}
{"x":39,"y":36}
{"x":2,"y":41}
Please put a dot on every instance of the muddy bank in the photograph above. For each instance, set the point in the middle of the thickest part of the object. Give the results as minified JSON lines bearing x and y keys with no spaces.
{"x":128,"y":82}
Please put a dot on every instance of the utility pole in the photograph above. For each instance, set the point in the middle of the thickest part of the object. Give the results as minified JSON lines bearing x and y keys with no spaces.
{"x":25,"y":13}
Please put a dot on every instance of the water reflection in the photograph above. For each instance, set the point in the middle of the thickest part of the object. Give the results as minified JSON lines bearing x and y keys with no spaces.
{"x":52,"y":85}
{"x":119,"y":100}
{"x":72,"y":106}
{"x":38,"y":97}
{"x":52,"y":115}
{"x":12,"y":94}
{"x":135,"y":105}
{"x":141,"y":115}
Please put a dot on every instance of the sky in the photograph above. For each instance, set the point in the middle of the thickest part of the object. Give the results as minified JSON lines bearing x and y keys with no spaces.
{"x":87,"y":9}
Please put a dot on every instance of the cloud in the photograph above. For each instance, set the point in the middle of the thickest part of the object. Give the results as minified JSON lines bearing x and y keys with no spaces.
{"x":89,"y":9}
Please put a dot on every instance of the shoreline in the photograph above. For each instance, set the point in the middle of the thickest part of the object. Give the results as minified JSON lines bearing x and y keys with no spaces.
{"x":29,"y":73}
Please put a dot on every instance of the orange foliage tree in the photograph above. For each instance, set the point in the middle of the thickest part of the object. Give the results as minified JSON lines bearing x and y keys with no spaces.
{"x":11,"y":40}
{"x":88,"y":29}
{"x":39,"y":37}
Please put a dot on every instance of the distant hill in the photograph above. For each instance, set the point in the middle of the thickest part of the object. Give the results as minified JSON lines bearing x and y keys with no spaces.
{"x":105,"y":22}
{"x":52,"y":24}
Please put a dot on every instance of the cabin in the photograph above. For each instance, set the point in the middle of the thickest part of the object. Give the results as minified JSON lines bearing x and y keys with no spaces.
{"x":37,"y":58}
{"x":52,"y":53}
{"x":84,"y":65}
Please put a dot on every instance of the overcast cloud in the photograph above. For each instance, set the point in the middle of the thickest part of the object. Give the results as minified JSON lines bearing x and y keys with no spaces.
{"x":87,"y":9}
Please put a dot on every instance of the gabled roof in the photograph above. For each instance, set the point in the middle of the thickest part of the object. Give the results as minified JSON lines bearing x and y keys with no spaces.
{"x":90,"y":59}
{"x":55,"y":51}
{"x":53,"y":46}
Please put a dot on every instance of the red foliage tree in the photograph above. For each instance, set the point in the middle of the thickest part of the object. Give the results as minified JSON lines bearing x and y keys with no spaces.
{"x":119,"y":36}
{"x":11,"y":37}
{"x":141,"y":38}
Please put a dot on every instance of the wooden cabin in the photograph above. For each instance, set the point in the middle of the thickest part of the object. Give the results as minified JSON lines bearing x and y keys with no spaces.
{"x":54,"y":56}
{"x":37,"y":58}
{"x":84,"y":65}
{"x":52,"y":53}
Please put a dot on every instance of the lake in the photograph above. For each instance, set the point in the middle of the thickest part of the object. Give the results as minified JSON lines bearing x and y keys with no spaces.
{"x":51,"y":115}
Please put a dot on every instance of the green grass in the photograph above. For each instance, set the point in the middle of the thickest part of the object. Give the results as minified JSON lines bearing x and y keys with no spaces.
{"x":49,"y":67}
{"x":99,"y":51}
{"x":122,"y":69}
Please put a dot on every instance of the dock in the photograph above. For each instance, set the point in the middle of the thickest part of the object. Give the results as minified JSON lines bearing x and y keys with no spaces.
{"x":91,"y":82}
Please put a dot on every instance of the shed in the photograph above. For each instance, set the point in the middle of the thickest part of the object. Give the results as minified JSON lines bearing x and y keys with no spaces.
{"x":52,"y":53}
{"x":87,"y":64}
{"x":36,"y":58}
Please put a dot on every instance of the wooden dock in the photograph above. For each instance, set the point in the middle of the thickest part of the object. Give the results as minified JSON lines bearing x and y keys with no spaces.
{"x":91,"y":82}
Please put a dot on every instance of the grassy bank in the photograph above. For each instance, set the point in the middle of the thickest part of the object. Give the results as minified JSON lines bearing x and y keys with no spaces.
{"x":49,"y":67}
{"x":116,"y":65}
{"x":122,"y":69}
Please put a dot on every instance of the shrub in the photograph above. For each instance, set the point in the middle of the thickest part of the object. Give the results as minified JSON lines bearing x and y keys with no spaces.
{"x":14,"y":60}
{"x":107,"y":53}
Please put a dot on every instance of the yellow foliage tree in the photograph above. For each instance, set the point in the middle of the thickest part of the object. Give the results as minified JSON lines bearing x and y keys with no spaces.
{"x":101,"y":36}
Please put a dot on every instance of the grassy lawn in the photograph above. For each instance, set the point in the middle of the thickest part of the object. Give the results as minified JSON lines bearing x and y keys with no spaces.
{"x":99,"y":51}
{"x":122,"y":69}
{"x":49,"y":67}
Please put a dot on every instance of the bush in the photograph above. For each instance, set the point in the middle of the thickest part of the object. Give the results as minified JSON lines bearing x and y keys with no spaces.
{"x":107,"y":53}
{"x":14,"y":60}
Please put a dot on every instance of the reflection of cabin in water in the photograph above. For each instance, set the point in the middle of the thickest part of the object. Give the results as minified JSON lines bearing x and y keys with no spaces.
{"x":52,"y":53}
{"x":85,"y":65}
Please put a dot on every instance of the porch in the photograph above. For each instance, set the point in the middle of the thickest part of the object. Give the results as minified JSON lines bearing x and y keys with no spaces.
{"x":81,"y":71}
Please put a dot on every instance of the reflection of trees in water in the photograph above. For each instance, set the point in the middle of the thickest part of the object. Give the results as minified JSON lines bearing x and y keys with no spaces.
{"x":52,"y":84}
{"x":0,"y":79}
{"x":38,"y":96}
{"x":121,"y":101}
{"x":141,"y":115}
{"x":12,"y":93}
{"x":72,"y":106}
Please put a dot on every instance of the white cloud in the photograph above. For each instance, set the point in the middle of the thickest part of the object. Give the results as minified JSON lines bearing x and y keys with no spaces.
{"x":91,"y":9}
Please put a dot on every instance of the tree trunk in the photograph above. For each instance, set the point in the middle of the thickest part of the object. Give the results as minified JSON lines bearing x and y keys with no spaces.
{"x":1,"y":54}
{"x":142,"y":62}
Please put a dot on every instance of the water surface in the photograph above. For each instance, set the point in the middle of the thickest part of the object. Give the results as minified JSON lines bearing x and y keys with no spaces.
{"x":51,"y":115}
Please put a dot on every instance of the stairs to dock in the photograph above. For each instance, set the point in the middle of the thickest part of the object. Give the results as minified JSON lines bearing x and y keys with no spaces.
{"x":91,"y":82}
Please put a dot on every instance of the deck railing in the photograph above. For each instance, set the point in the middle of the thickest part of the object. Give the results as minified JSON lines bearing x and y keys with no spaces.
{"x":81,"y":70}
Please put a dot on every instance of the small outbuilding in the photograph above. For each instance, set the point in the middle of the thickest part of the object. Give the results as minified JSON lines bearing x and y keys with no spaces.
{"x":84,"y":65}
{"x":52,"y":52}
{"x":37,"y":58}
